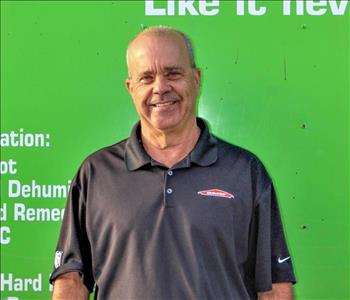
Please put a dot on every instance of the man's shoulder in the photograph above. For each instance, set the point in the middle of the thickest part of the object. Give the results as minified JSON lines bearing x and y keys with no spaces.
{"x":243,"y":163}
{"x":106,"y":154}
{"x":99,"y":162}
{"x":230,"y":150}
{"x":242,"y":158}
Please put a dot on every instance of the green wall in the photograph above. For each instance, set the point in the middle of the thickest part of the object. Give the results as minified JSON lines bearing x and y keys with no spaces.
{"x":277,"y":85}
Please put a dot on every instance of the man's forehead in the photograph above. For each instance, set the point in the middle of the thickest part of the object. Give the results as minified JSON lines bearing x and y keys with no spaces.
{"x":171,"y":44}
{"x":165,"y":64}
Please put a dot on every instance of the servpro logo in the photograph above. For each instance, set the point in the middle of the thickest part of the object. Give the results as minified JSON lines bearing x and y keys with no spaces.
{"x":216,"y":193}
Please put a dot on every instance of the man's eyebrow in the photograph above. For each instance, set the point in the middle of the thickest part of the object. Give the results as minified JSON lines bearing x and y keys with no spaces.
{"x":145,"y":73}
{"x":167,"y":69}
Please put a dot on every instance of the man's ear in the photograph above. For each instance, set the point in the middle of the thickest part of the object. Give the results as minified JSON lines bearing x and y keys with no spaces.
{"x":128,"y":85}
{"x":197,"y":77}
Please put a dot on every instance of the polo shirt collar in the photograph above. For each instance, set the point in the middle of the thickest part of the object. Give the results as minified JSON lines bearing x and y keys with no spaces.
{"x":203,"y":154}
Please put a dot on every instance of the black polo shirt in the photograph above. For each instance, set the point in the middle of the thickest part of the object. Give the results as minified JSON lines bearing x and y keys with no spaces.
{"x":208,"y":228}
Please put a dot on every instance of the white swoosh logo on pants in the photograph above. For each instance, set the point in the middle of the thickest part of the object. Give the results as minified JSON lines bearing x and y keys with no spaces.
{"x":283,"y":260}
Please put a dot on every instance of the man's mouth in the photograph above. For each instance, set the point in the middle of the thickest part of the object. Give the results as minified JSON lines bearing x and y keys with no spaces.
{"x":163,"y":104}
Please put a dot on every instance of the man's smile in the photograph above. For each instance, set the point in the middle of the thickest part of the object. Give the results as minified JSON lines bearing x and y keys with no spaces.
{"x":163,"y":104}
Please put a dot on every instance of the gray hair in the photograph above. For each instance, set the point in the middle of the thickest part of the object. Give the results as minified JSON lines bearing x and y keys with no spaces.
{"x":162,"y":29}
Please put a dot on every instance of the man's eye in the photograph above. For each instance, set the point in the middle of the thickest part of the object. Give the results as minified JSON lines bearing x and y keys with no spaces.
{"x":146,"y":79}
{"x":174,"y":75}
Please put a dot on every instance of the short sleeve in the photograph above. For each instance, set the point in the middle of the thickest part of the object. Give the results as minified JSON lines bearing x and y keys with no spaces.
{"x":273,"y":262}
{"x":73,"y":252}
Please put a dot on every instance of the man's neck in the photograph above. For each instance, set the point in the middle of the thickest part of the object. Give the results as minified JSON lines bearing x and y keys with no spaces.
{"x":170,"y":147}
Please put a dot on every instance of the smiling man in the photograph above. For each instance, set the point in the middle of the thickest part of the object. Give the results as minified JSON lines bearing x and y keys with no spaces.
{"x":172,"y":212}
{"x":164,"y":84}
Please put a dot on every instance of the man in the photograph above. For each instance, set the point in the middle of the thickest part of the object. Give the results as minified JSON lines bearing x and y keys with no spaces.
{"x":172,"y":212}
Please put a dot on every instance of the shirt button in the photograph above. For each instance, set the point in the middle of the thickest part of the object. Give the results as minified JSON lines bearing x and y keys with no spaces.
{"x":169,"y":191}
{"x":170,"y":173}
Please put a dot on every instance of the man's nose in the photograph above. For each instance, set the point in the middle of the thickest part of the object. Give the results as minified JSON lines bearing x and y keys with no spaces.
{"x":161,"y":85}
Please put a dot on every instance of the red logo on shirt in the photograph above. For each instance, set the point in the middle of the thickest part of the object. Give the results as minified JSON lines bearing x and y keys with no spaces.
{"x":216,"y":193}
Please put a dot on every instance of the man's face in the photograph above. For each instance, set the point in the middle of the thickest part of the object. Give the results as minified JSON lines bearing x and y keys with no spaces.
{"x":163,"y":84}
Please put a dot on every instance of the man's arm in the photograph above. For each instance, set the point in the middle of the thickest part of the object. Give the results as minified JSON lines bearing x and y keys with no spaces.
{"x":69,"y":287}
{"x":280,"y":291}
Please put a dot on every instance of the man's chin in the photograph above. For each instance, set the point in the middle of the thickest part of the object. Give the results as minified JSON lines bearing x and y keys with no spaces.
{"x":165,"y":125}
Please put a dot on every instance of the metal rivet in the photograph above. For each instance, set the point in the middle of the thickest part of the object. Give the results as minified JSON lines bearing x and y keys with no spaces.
{"x":170,"y":173}
{"x":169,"y":191}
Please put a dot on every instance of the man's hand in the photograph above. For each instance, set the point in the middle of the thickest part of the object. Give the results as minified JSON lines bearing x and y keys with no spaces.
{"x":280,"y":291}
{"x":69,"y":287}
